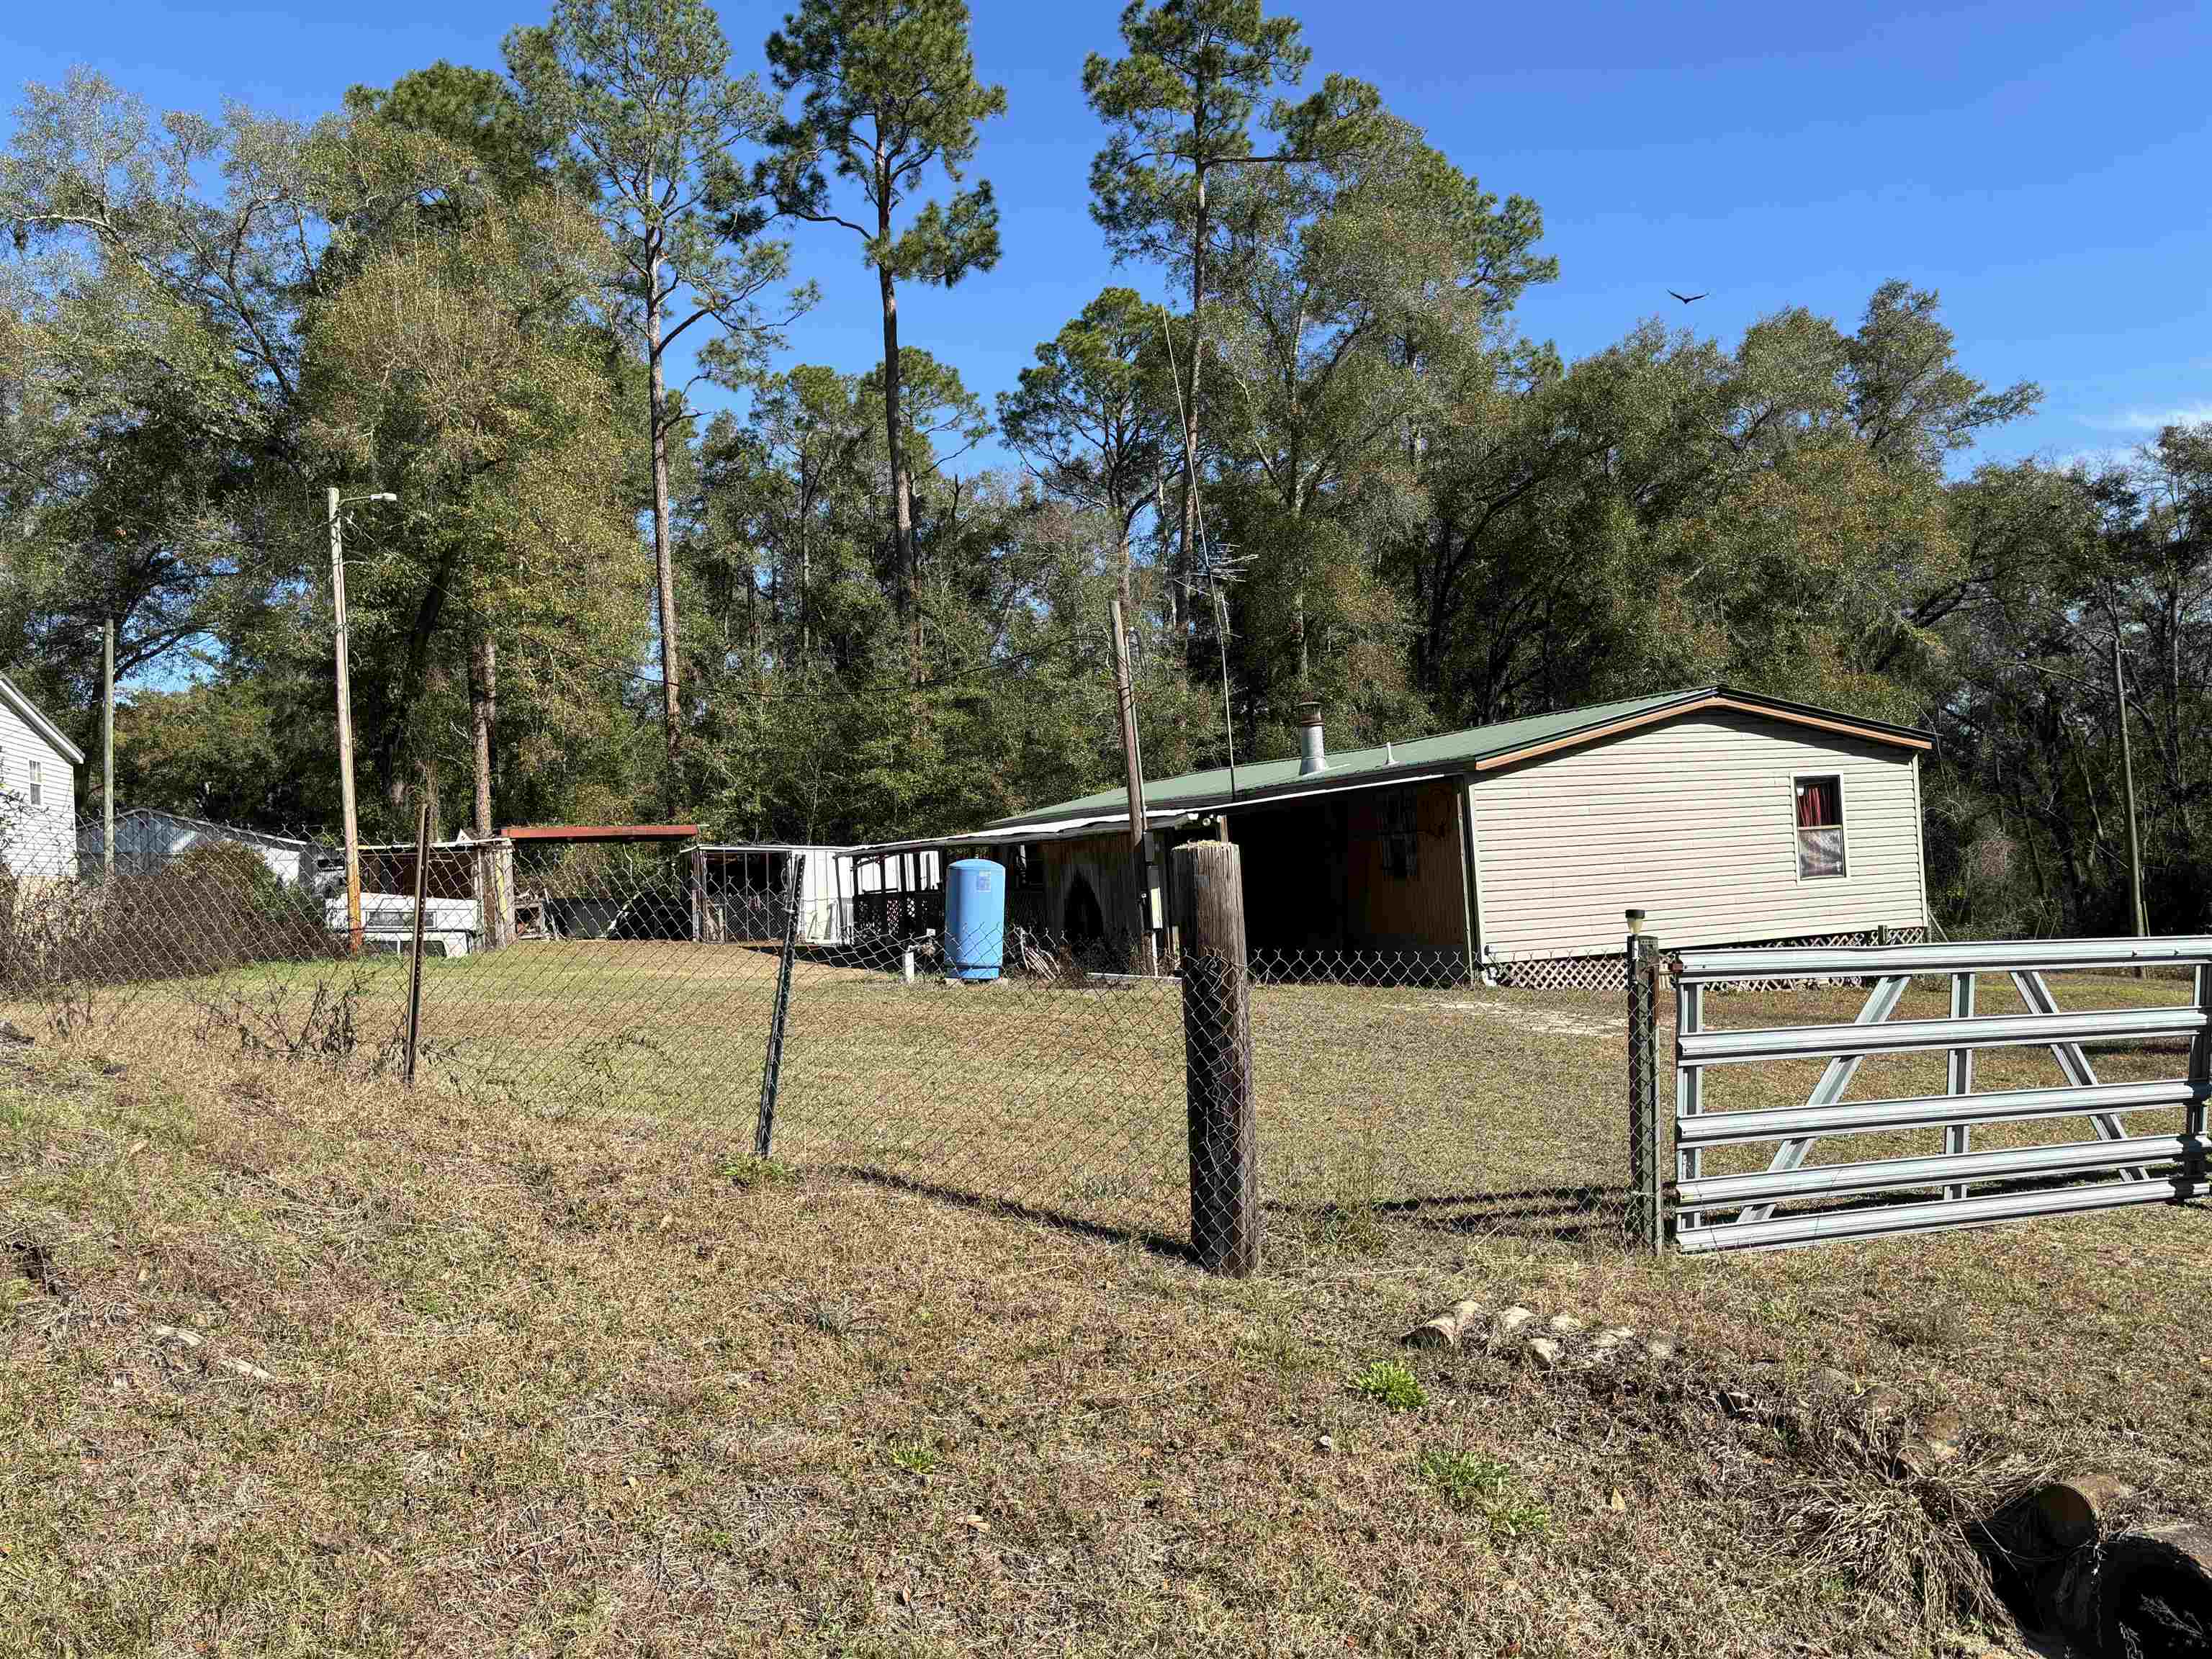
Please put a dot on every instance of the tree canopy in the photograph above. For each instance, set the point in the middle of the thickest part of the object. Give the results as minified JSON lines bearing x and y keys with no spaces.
{"x":1332,"y":466}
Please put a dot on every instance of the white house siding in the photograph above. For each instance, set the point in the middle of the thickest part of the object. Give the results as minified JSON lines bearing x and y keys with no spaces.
{"x":38,"y":842}
{"x":1694,"y":821}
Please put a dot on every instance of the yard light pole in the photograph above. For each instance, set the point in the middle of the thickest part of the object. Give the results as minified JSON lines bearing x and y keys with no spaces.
{"x":345,"y":708}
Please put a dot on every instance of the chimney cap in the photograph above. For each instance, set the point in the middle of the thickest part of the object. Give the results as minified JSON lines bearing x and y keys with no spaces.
{"x":1309,"y":711}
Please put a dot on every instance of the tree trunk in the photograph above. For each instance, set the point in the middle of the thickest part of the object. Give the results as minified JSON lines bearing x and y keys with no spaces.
{"x":1176,"y":592}
{"x":395,"y":742}
{"x":902,"y":485}
{"x":2175,"y":725}
{"x":664,"y":561}
{"x":483,"y":696}
{"x":430,"y":776}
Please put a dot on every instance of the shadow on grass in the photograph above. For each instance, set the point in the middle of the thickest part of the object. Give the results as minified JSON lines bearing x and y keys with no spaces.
{"x":1564,"y":1214}
{"x":1158,"y":1242}
{"x":1571,"y":1215}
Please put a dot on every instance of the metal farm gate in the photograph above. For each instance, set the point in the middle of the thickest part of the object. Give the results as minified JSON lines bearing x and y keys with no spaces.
{"x":1914,"y":1190}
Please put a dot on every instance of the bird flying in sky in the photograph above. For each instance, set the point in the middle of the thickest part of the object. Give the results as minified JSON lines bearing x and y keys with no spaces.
{"x":1688,"y":298}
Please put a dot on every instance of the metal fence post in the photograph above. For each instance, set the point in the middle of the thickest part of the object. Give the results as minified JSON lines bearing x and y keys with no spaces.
{"x":2194,"y":1168}
{"x":1217,"y":1035}
{"x":772,"y":1066}
{"x":414,"y":955}
{"x":1647,"y":1211}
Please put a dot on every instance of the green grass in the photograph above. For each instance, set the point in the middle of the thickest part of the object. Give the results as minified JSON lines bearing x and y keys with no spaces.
{"x":1475,"y":1484}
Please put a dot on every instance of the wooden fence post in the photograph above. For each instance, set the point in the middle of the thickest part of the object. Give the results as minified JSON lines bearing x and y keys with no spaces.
{"x":1217,"y":1034}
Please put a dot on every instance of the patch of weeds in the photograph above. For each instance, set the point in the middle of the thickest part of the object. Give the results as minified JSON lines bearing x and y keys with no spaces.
{"x":1391,"y":1384}
{"x":914,"y":1456}
{"x":1352,"y":1230}
{"x":832,"y":1315}
{"x":1938,"y":1324}
{"x":1475,"y":1485}
{"x":275,"y":1027}
{"x":72,"y":1011}
{"x":1780,"y":1309}
{"x":750,"y":1173}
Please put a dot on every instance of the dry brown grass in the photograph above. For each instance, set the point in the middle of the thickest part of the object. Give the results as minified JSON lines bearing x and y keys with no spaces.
{"x":545,"y":1381}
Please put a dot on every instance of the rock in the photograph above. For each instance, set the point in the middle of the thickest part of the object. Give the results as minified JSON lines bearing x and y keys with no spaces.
{"x":1545,"y":1352}
{"x":1510,"y":1320}
{"x":1563,"y":1324}
{"x":1612,"y":1337}
{"x":14,"y":1035}
{"x":1829,"y":1383}
{"x":1660,"y":1348}
{"x":1882,"y":1403}
{"x":1940,"y":1431}
{"x":1326,"y":1443}
{"x":1442,"y":1332}
{"x":1446,"y":1330}
{"x":2073,"y":1511}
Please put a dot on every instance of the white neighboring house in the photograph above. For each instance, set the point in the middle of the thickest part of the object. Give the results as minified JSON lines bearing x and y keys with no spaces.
{"x":37,"y":791}
{"x":146,"y":839}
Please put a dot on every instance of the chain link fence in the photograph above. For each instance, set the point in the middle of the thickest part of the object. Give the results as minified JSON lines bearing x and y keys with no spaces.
{"x":633,"y":984}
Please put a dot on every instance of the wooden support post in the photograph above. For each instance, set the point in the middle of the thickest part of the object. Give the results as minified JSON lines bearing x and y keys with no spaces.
{"x":414,"y":955}
{"x":1217,"y":1030}
{"x":698,"y":894}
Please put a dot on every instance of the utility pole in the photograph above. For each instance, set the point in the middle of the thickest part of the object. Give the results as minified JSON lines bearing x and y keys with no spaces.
{"x":2128,"y":774}
{"x":107,"y":748}
{"x":1125,"y":697}
{"x":345,"y":729}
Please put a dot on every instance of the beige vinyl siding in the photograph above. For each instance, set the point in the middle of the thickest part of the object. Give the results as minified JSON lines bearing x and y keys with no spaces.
{"x":1695,"y":821}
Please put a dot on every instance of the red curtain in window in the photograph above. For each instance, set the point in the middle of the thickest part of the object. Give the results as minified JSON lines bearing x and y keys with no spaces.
{"x":1819,"y":804}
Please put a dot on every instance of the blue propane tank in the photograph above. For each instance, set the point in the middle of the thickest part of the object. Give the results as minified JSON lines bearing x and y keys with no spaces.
{"x":975,"y":918}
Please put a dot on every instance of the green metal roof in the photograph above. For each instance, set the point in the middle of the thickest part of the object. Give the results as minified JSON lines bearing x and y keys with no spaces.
{"x":1449,"y":751}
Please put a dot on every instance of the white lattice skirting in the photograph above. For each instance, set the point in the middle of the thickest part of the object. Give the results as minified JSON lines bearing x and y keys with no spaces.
{"x":1610,"y":972}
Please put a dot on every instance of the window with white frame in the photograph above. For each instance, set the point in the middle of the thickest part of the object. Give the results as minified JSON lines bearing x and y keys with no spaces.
{"x":38,"y":783}
{"x":1819,"y":808}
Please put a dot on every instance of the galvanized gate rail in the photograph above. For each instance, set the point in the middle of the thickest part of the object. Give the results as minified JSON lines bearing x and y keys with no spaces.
{"x":2142,"y":1169}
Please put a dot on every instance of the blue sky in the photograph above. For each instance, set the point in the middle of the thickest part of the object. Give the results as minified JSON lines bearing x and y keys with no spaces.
{"x":2043,"y":167}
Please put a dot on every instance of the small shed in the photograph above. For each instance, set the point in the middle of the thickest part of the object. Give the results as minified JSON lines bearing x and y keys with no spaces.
{"x":146,"y":838}
{"x":1728,"y":815}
